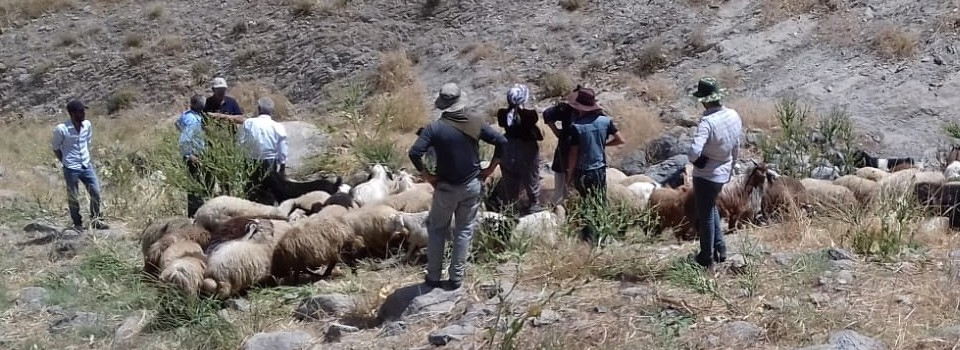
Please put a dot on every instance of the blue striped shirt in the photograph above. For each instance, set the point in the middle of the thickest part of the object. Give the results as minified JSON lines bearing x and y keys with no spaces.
{"x":190,"y":125}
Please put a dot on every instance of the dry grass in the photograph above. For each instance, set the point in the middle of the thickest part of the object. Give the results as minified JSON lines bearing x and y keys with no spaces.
{"x":776,"y":11}
{"x":405,"y":110}
{"x":656,"y":91}
{"x":31,"y":9}
{"x":479,"y":51}
{"x":893,"y":41}
{"x":755,"y":114}
{"x":395,"y":72}
{"x":652,"y":58}
{"x":302,"y":8}
{"x":248,"y":92}
{"x":156,"y":11}
{"x":67,"y":39}
{"x":728,"y":77}
{"x":638,"y":123}
{"x":573,"y":5}
{"x":555,"y":84}
{"x":122,"y":99}
{"x":170,"y":45}
{"x":841,"y":29}
{"x":133,"y":40}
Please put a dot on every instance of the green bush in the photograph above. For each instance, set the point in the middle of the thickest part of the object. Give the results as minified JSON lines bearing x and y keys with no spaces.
{"x":792,"y":149}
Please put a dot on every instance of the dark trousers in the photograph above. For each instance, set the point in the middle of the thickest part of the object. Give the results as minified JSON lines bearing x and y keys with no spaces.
{"x":520,"y":170}
{"x":88,"y":176}
{"x":592,"y":185}
{"x":195,"y":198}
{"x":263,"y":186}
{"x":712,"y":247}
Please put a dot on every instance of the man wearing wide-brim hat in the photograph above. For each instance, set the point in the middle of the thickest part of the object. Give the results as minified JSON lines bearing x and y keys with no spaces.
{"x":592,"y":132}
{"x":457,"y":180}
{"x":714,"y":152}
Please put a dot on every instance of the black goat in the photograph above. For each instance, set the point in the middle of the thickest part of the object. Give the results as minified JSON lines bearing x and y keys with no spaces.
{"x":862,"y":159}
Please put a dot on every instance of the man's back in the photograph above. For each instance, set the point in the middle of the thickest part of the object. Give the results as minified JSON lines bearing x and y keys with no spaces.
{"x":458,"y":155}
{"x":262,"y":137}
{"x":590,"y":137}
{"x":723,"y":128}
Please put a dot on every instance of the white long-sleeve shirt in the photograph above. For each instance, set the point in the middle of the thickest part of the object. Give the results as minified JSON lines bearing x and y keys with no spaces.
{"x":73,"y":144}
{"x":264,"y":139}
{"x":717,"y":138}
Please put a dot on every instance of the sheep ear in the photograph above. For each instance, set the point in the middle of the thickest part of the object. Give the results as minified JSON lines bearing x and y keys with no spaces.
{"x":251,"y":228}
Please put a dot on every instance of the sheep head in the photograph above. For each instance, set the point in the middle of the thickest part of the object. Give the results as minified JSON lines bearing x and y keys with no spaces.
{"x":378,"y":172}
{"x":404,"y":181}
{"x":757,"y":176}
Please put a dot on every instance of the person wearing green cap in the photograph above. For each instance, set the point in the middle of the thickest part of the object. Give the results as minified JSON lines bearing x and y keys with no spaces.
{"x":714,"y":153}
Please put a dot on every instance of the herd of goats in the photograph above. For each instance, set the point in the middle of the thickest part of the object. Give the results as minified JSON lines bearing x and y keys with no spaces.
{"x":233,"y":244}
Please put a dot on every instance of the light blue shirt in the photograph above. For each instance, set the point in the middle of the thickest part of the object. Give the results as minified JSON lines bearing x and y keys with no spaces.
{"x":73,"y":144}
{"x":717,"y":138}
{"x":190,"y":125}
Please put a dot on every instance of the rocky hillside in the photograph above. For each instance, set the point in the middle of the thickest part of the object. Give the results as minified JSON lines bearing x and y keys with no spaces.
{"x":889,"y":63}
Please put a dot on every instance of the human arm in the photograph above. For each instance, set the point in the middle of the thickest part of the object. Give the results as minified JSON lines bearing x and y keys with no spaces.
{"x":502,"y":118}
{"x":56,"y":142}
{"x":617,"y":138}
{"x":573,"y":155}
{"x":490,"y":136}
{"x":282,"y":147}
{"x":694,"y":155}
{"x":419,"y":148}
{"x":549,"y":118}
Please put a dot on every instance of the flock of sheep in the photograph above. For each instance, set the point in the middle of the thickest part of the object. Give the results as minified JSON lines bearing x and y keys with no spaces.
{"x":233,"y":244}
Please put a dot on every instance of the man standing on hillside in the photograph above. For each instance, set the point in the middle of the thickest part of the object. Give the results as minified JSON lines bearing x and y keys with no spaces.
{"x":265,"y":141}
{"x":455,"y":138}
{"x":587,"y":165}
{"x":220,"y":102}
{"x":714,"y":151}
{"x":192,"y":142}
{"x":71,"y":145}
{"x":561,"y":112}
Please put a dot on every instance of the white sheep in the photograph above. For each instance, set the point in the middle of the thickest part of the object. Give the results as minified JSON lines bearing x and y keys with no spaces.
{"x":865,"y":190}
{"x":901,"y":182}
{"x":218,"y":210}
{"x":827,"y":195}
{"x":411,"y":201}
{"x":636,"y":179}
{"x":374,"y":190}
{"x":871,"y":173}
{"x":403,"y":182}
{"x":952,"y":172}
{"x":186,"y":272}
{"x":310,"y":202}
{"x":642,"y":190}
{"x":377,"y":225}
{"x":615,"y":175}
{"x":542,"y":226}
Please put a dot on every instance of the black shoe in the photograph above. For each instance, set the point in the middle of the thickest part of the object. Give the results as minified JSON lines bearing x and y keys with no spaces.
{"x":720,"y":257}
{"x":452,"y":285}
{"x":100,"y":225}
{"x":78,"y":228}
{"x":695,"y":259}
{"x":432,"y":284}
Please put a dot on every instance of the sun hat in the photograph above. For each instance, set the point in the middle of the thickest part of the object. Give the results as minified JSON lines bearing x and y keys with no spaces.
{"x":75,"y":106}
{"x":450,"y":98}
{"x":219,"y":83}
{"x":708,"y":90}
{"x":583,"y":99}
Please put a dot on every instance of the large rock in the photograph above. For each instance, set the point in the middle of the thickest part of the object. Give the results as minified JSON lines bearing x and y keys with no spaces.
{"x":316,"y":307}
{"x":662,"y":170}
{"x":33,"y":297}
{"x":663,"y":148}
{"x":76,"y":321}
{"x":294,"y":340}
{"x":304,"y":140}
{"x":634,"y":162}
{"x":130,"y":329}
{"x":417,"y":301}
{"x":849,"y":340}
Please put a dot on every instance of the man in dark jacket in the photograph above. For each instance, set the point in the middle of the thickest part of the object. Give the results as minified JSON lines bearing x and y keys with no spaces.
{"x":455,"y":138}
{"x":219,"y":102}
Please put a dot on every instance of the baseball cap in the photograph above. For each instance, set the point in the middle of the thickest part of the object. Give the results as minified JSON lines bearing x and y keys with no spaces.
{"x":219,"y":83}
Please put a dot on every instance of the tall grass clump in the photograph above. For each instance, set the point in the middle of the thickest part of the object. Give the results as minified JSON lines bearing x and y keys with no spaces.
{"x":610,"y":220}
{"x":886,"y":229}
{"x":805,"y":141}
{"x":222,"y":159}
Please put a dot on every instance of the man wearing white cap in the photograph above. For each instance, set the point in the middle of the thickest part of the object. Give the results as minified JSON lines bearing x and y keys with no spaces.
{"x":220,"y":102}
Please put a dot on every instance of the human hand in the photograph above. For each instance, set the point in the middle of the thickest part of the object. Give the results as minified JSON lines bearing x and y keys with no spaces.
{"x":485,"y":173}
{"x":428,"y":178}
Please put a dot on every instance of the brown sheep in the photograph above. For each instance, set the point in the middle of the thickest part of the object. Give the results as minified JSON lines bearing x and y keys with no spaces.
{"x":315,"y":242}
{"x":864,"y":190}
{"x":378,"y":226}
{"x":741,"y":199}
{"x":824,"y":194}
{"x":410,"y":201}
{"x":783,"y":195}
{"x":186,"y":272}
{"x":153,"y":261}
{"x":308,"y":202}
{"x":218,"y":210}
{"x":238,"y":264}
{"x":156,"y":230}
{"x":674,"y":207}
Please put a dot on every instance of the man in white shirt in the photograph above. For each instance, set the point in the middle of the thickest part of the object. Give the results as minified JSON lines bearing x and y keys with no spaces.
{"x":265,"y":142}
{"x":713,"y":153}
{"x":71,"y":145}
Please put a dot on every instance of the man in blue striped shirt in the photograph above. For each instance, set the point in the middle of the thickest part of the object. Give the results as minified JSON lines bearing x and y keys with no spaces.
{"x":190,"y":125}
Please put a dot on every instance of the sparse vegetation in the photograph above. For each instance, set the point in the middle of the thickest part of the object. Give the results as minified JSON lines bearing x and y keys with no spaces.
{"x":572,"y":5}
{"x":395,"y":72}
{"x":156,"y":11}
{"x":652,"y":58}
{"x":555,"y":84}
{"x":756,"y":114}
{"x":133,"y":40}
{"x":201,"y":72}
{"x":170,"y":44}
{"x":479,"y":51}
{"x":637,"y":122}
{"x":32,"y":9}
{"x":136,"y":57}
{"x":792,"y":148}
{"x":893,"y":41}
{"x":67,"y":39}
{"x":302,"y":8}
{"x":121,"y":99}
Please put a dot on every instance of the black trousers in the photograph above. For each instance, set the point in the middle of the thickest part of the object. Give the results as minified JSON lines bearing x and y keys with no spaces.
{"x":195,"y":198}
{"x":264,"y":184}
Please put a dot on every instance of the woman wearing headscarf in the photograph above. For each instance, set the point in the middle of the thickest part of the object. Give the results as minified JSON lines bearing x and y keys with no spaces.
{"x":520,"y":163}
